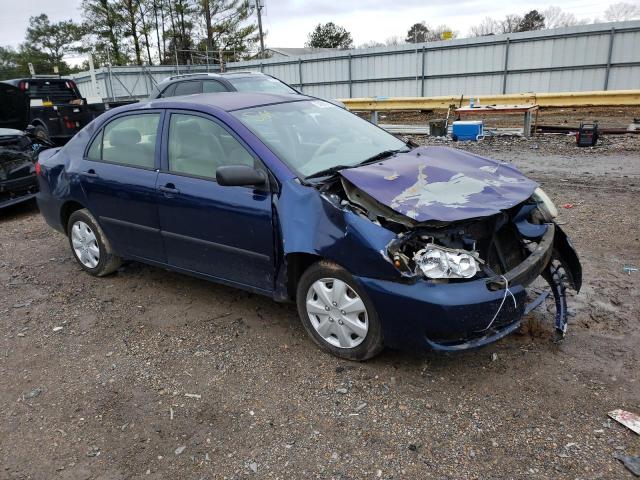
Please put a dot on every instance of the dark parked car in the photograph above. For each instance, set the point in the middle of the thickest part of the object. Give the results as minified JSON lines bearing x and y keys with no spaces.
{"x":18,"y":149}
{"x":58,"y":110}
{"x":378,"y":242}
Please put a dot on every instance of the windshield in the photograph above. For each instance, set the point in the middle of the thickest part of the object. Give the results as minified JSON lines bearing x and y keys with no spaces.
{"x":259,"y":83}
{"x":312,"y":136}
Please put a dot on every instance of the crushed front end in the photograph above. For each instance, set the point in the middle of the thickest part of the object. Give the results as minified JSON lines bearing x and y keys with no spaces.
{"x":485,"y":266}
{"x":468,"y":248}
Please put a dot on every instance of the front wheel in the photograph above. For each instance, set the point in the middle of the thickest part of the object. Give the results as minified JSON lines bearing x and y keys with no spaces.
{"x":337,"y":313}
{"x":90,"y":246}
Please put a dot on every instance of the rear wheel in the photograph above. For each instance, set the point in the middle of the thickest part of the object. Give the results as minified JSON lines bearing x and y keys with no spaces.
{"x":337,"y":314}
{"x":90,"y":246}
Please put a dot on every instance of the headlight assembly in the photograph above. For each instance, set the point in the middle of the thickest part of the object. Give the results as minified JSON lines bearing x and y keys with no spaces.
{"x":439,"y":262}
{"x":545,"y":205}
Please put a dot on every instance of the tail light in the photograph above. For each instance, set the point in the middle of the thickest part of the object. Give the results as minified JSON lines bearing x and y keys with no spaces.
{"x":38,"y":168}
{"x":23,"y":85}
{"x":68,"y":123}
{"x":71,"y":84}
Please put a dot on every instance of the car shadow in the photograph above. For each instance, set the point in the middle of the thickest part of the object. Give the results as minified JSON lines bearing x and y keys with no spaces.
{"x":18,"y":211}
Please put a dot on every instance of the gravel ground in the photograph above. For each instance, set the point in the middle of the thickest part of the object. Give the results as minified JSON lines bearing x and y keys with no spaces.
{"x":151,"y":374}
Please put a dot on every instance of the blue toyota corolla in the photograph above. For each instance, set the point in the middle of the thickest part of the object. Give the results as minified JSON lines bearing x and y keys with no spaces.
{"x":378,"y":241}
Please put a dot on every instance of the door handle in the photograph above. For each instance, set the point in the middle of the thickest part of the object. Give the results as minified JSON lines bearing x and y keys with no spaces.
{"x":91,"y":173}
{"x":169,"y":188}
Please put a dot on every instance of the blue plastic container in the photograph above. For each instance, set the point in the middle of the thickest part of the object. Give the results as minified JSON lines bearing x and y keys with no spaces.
{"x":468,"y":130}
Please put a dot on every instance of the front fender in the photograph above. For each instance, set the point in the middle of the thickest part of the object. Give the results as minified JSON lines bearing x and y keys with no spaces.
{"x":565,"y":252}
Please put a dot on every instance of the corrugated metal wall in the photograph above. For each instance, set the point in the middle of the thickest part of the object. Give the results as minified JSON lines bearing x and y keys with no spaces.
{"x":583,"y":58}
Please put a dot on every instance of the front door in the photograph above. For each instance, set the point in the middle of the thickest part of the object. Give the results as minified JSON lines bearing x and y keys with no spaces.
{"x":222,"y":232}
{"x":118,"y":176}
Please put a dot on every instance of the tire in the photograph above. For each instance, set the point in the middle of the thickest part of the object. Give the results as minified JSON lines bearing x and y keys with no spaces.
{"x":41,"y":133}
{"x":353,"y":335}
{"x":90,"y":246}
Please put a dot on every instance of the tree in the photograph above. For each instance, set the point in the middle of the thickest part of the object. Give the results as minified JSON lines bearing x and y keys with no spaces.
{"x":511,"y":23}
{"x":532,"y":20}
{"x":418,"y":33}
{"x":619,"y":12}
{"x":488,"y":26}
{"x":329,"y":35}
{"x":105,"y":28}
{"x":130,"y":13}
{"x":55,"y":40}
{"x":227,"y":26}
{"x":555,"y":17}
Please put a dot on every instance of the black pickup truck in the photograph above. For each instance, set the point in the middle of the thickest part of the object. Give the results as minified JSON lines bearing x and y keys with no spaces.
{"x":19,"y":148}
{"x":57,"y":109}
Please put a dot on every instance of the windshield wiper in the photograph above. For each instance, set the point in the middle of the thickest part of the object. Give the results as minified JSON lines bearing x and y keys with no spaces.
{"x":378,"y":156}
{"x":328,"y":171}
{"x":382,"y":155}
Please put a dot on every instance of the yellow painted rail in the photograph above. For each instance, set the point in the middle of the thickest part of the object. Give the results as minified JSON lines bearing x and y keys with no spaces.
{"x":560,"y":99}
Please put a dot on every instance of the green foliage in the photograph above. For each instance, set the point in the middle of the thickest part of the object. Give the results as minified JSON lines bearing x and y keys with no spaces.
{"x":532,"y":20}
{"x":329,"y":35}
{"x":418,"y":33}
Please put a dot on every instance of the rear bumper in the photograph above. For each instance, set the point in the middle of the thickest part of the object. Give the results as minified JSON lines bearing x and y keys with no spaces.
{"x":455,"y":316}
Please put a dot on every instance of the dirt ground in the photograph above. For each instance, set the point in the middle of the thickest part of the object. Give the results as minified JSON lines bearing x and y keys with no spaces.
{"x":151,"y":374}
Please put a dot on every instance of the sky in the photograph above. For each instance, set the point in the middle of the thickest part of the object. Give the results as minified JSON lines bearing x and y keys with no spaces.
{"x":288,"y":22}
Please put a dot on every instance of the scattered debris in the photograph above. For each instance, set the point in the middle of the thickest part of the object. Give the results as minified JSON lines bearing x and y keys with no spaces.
{"x":628,"y":269}
{"x":494,"y":356}
{"x":631,"y":462}
{"x":180,"y":449}
{"x":26,"y":303}
{"x":361,"y":406}
{"x":193,"y":395}
{"x":253,"y":466}
{"x":567,"y":205}
{"x":93,"y":452}
{"x":628,"y":419}
{"x":33,"y":393}
{"x":343,"y":391}
{"x":57,"y":329}
{"x":413,"y":447}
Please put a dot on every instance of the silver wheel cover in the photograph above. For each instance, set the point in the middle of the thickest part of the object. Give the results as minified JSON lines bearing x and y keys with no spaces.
{"x":337,"y":313}
{"x":85,"y":244}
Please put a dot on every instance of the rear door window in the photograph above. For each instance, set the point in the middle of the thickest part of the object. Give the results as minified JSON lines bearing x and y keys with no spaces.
{"x":188,"y":88}
{"x":212,"y":86}
{"x":169,"y":91}
{"x":129,"y":140}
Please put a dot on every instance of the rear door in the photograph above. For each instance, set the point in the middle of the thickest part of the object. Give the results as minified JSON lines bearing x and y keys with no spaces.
{"x":223,"y":232}
{"x":118,"y":176}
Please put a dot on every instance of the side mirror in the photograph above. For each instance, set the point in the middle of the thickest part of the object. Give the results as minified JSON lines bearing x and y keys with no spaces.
{"x":239,"y":175}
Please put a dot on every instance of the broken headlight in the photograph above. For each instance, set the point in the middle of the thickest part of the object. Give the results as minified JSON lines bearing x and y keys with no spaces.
{"x":545,"y":205}
{"x":438,"y":262}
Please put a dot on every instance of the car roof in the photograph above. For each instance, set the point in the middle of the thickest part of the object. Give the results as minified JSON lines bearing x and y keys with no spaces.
{"x":227,"y":101}
{"x":212,"y":75}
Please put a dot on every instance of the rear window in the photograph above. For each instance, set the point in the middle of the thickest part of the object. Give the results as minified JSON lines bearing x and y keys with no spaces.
{"x":56,"y":91}
{"x":260,"y":83}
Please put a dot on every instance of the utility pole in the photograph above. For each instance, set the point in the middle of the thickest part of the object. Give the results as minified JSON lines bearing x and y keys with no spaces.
{"x":259,"y":6}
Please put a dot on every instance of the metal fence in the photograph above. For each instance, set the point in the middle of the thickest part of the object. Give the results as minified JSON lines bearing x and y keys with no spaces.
{"x":589,"y":57}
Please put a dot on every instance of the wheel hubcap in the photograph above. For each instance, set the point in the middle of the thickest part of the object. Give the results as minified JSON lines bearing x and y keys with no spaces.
{"x":337,"y":313}
{"x":85,"y":244}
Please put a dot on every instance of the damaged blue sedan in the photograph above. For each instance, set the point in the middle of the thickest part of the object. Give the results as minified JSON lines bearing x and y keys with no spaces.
{"x":379,"y":242}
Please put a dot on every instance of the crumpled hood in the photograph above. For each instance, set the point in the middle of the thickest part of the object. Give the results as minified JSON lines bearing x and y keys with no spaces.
{"x":442,"y":184}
